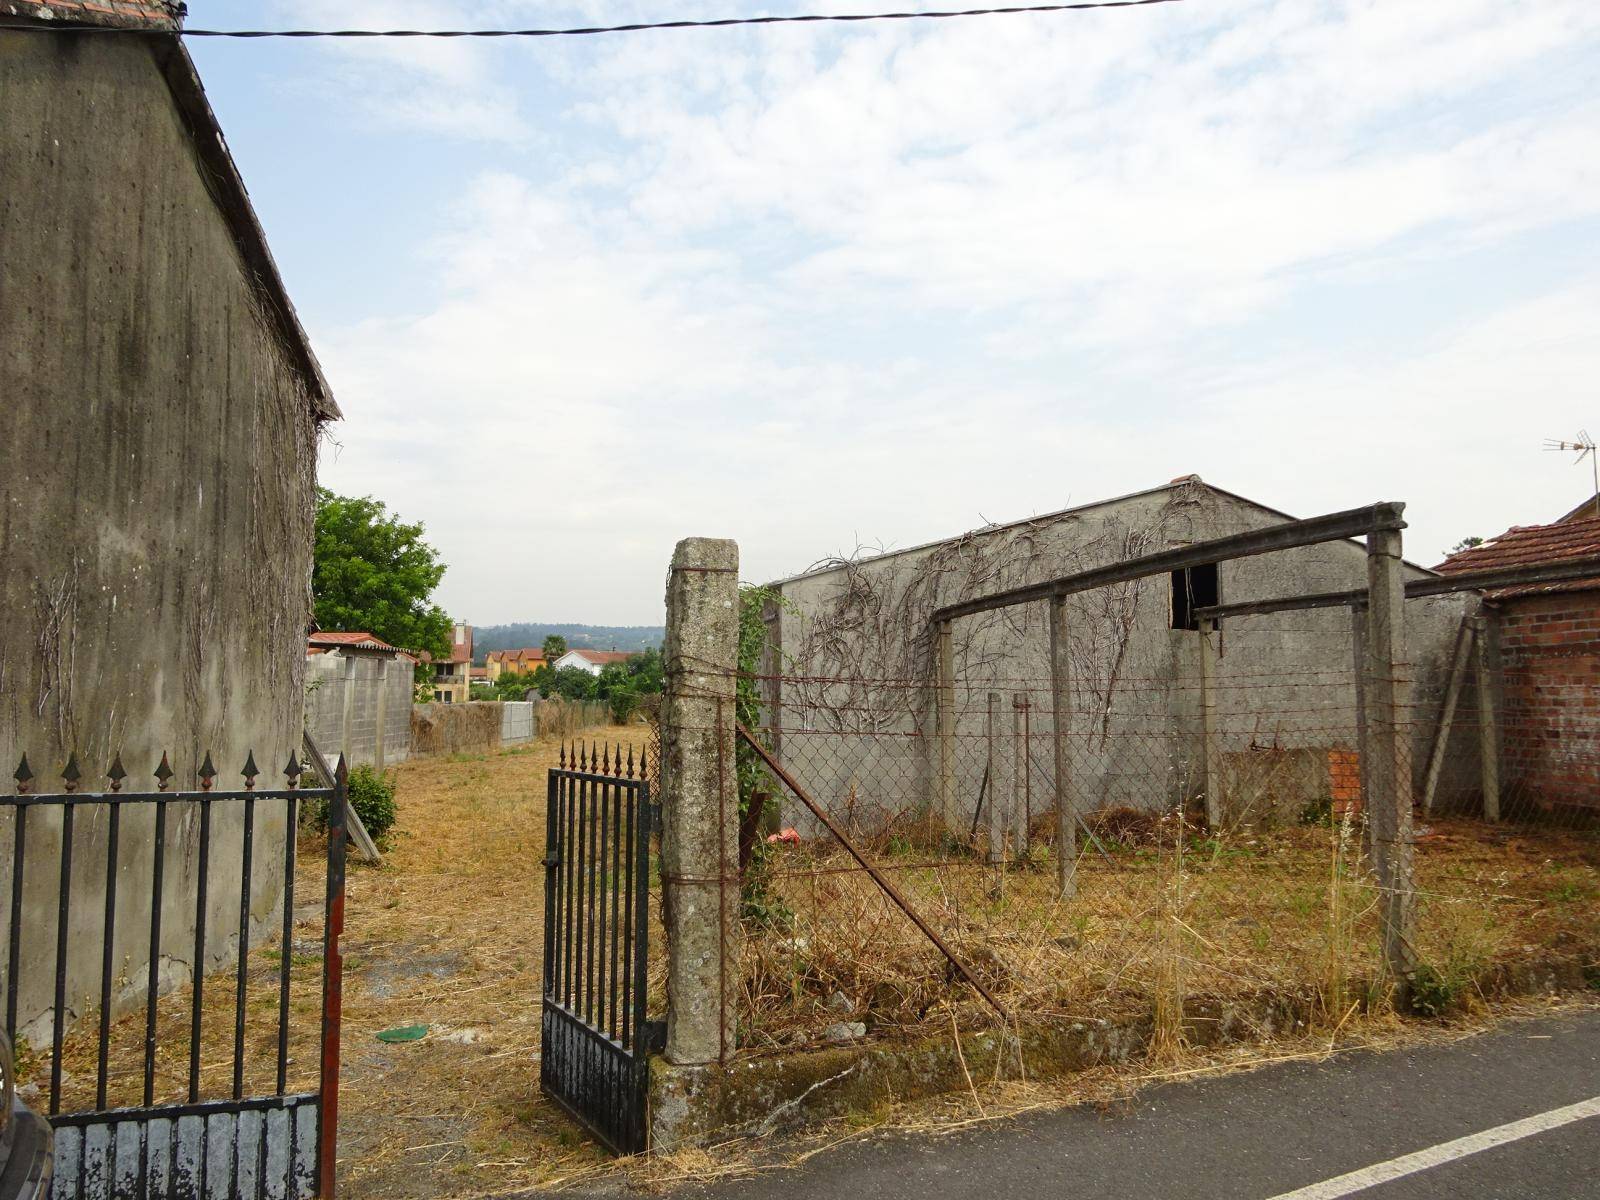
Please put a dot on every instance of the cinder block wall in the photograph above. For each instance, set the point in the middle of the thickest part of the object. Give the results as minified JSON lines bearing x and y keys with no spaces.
{"x":1550,"y":667}
{"x":359,"y":707}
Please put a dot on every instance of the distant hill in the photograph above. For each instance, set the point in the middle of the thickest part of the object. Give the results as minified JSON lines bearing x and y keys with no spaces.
{"x":631,"y":638}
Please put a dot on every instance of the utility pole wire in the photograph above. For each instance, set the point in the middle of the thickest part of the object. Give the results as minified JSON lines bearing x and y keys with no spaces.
{"x":583,"y":31}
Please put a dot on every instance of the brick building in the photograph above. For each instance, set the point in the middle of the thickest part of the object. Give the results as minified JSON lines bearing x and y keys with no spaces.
{"x":1549,"y":646}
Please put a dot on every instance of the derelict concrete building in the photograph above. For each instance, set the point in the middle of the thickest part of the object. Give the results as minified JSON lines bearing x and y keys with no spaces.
{"x":851,"y":693}
{"x":159,"y":416}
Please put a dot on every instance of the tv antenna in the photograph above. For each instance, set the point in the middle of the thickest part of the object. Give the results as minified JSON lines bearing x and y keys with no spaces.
{"x":1585,"y":447}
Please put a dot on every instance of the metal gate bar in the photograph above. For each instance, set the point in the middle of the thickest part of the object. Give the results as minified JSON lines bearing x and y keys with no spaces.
{"x":278,"y":1146}
{"x":594,"y":1037}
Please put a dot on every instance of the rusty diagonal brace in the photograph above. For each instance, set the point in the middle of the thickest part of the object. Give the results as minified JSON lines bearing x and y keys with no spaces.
{"x":877,"y":876}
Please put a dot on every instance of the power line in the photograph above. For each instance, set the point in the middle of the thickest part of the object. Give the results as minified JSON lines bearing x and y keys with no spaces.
{"x":583,"y":31}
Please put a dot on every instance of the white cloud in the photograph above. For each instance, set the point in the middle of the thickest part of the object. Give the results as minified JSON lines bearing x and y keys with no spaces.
{"x":799,"y":286}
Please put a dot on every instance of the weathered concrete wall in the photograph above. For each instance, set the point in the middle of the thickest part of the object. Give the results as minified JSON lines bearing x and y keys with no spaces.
{"x":483,"y":726}
{"x":1287,"y":680}
{"x":359,"y":706}
{"x":157,"y":465}
{"x":517,"y":722}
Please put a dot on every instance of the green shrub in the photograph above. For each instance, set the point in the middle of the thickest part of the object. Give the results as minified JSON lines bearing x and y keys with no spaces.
{"x":372,"y":797}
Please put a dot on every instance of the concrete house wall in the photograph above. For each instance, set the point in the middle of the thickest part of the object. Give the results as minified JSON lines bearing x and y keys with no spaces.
{"x":158,"y":437}
{"x":1285,"y":681}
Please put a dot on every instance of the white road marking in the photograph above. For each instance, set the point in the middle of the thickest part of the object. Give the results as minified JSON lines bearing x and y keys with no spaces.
{"x":1434,"y":1156}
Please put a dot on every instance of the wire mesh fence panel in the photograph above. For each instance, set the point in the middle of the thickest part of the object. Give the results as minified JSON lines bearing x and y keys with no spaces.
{"x":1226,"y":864}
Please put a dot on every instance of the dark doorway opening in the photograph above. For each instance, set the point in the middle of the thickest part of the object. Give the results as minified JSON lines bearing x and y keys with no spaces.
{"x":1192,"y":588}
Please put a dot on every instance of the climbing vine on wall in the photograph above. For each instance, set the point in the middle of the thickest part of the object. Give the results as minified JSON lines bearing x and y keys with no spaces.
{"x":862,"y":660}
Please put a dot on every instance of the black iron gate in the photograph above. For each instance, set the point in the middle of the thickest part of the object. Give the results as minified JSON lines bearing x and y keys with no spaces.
{"x":595,"y":1041}
{"x":162,"y":1098}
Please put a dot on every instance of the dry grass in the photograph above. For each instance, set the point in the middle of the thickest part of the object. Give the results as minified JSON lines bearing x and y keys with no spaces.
{"x":1108,"y":1088}
{"x":1165,"y":919}
{"x":448,"y":933}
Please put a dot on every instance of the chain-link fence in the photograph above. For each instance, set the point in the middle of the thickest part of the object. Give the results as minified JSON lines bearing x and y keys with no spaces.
{"x":1223,"y":849}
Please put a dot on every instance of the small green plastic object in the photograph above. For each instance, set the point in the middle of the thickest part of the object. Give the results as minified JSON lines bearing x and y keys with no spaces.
{"x":403,"y":1033}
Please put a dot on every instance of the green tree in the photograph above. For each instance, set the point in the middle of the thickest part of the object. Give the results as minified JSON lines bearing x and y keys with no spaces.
{"x":573,"y":683}
{"x":373,"y":571}
{"x":1466,"y":543}
{"x":554,"y":647}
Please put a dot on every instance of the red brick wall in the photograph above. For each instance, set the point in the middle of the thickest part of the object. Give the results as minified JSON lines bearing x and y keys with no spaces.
{"x":1550,"y":662}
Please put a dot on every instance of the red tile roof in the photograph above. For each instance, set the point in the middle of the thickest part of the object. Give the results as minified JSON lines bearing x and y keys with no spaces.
{"x":328,"y":639}
{"x":123,"y":14}
{"x":1531,"y":545}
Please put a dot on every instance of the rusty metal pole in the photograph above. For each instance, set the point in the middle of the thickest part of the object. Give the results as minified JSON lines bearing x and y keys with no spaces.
{"x":332,"y":988}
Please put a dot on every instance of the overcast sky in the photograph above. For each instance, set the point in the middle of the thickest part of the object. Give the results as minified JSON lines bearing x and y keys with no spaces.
{"x":810,"y":287}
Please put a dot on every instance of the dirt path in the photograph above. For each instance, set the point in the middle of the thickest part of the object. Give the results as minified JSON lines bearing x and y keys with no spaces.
{"x":448,"y":933}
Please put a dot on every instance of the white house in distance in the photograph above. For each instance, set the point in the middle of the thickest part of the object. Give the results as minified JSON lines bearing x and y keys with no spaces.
{"x":592,"y":661}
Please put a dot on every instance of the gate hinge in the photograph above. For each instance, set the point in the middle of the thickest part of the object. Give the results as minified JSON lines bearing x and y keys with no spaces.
{"x":653,"y":1035}
{"x":552,"y":859}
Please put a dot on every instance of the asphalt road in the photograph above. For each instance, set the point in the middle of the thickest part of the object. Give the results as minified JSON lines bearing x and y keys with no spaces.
{"x":1267,"y":1133}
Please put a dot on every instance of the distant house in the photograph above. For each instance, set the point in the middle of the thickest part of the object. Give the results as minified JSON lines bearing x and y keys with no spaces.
{"x":1549,"y":641}
{"x":592,"y":661}
{"x":452,"y":680}
{"x":160,"y":410}
{"x":513,"y":662}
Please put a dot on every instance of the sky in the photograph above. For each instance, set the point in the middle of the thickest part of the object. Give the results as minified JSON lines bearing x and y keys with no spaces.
{"x":818,"y":288}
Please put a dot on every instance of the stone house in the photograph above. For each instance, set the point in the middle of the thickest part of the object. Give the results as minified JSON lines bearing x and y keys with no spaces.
{"x":158,"y":445}
{"x":852,"y":697}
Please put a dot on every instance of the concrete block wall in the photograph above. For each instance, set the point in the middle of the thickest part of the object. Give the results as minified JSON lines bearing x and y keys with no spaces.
{"x":1550,"y":670}
{"x":359,"y":706}
{"x":518,"y":722}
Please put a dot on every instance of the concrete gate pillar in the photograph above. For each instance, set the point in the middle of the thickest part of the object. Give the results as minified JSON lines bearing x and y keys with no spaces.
{"x":700,"y":800}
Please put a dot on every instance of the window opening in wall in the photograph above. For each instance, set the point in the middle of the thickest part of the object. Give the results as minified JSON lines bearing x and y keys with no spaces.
{"x":1192,"y":588}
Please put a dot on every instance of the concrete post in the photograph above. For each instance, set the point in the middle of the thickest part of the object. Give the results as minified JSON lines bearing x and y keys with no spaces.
{"x":383,"y":714}
{"x":992,"y":770}
{"x":1061,"y":710}
{"x":347,"y":713}
{"x":700,"y":800}
{"x":945,"y":660}
{"x":1488,"y":716}
{"x":1388,"y":700}
{"x":1358,"y":643}
{"x":1018,"y":822}
{"x":1209,"y":639}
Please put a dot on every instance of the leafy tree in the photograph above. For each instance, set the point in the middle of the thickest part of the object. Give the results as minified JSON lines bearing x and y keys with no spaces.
{"x":1466,"y":543}
{"x":375,"y":572}
{"x":514,"y":685}
{"x":573,"y":683}
{"x":554,"y":647}
{"x":645,"y":671}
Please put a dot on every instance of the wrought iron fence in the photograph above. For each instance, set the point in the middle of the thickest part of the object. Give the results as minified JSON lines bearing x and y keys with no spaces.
{"x":150,"y":1093}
